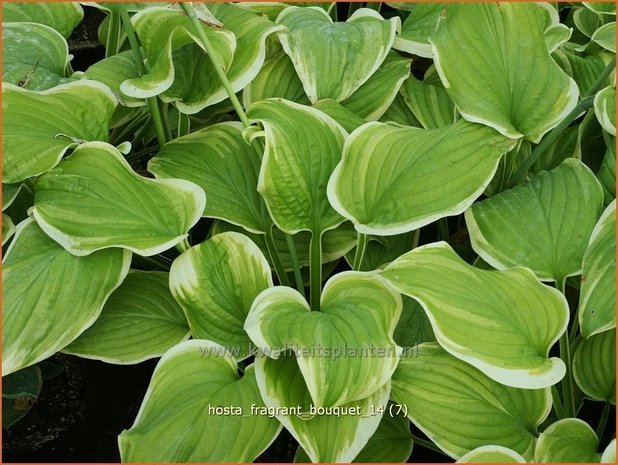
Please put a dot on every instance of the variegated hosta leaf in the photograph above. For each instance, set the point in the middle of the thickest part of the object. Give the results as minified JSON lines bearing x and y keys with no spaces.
{"x":597,"y":300}
{"x":218,"y":159}
{"x":8,"y":228}
{"x":216,"y":282}
{"x":61,"y":16}
{"x":508,"y":165}
{"x":140,"y":320}
{"x":335,"y":242}
{"x":50,"y":296}
{"x":570,"y":440}
{"x":606,"y":174}
{"x":38,"y":127}
{"x":491,"y":454}
{"x":609,"y":454}
{"x":602,"y":8}
{"x":583,"y":68}
{"x":371,"y":100}
{"x":586,"y":21}
{"x":325,"y":435}
{"x":94,"y":200}
{"x":461,"y":409}
{"x":132,"y":7}
{"x":400,"y":113}
{"x":346,"y":118}
{"x":334,"y":59}
{"x":416,"y":29}
{"x":34,"y":56}
{"x":543,"y":225}
{"x":113,"y":71}
{"x":605,"y":109}
{"x":171,"y":46}
{"x":605,"y":36}
{"x":303,"y":145}
{"x":346,"y":351}
{"x":179,"y":421}
{"x":391,"y":179}
{"x":501,"y":322}
{"x":486,"y":54}
{"x":429,"y":102}
{"x":556,"y":33}
{"x":594,"y":366}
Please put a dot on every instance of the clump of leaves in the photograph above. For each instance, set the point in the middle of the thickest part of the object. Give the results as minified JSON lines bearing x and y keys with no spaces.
{"x":292,"y":159}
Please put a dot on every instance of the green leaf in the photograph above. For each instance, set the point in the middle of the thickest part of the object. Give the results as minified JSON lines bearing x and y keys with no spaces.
{"x":178,"y":420}
{"x":14,"y":410}
{"x":346,"y":118}
{"x":566,"y":146}
{"x":303,"y":145}
{"x":594,"y":366}
{"x":486,"y":54}
{"x":492,"y":454}
{"x":250,"y":31}
{"x":597,"y":300}
{"x":417,"y":28}
{"x":23,"y":383}
{"x":400,"y":113}
{"x":336,"y":435}
{"x":140,"y":320}
{"x":501,"y":322}
{"x":8,"y":228}
{"x":277,"y":78}
{"x":218,"y":159}
{"x":543,"y":225}
{"x":609,"y":454}
{"x":605,"y":36}
{"x":570,"y":440}
{"x":170,"y":46}
{"x":371,"y":100}
{"x":605,"y":109}
{"x":113,"y":71}
{"x":586,"y":21}
{"x":382,"y":250}
{"x":413,"y":327}
{"x":460,"y":409}
{"x":389,"y":177}
{"x":602,"y":8}
{"x":50,"y":296}
{"x":334,"y":59}
{"x":94,"y":200}
{"x":583,"y":68}
{"x":606,"y":174}
{"x":9,"y":194}
{"x":61,"y":16}
{"x":555,"y":32}
{"x":40,"y":126}
{"x":34,"y":56}
{"x":391,"y":443}
{"x":215,"y":283}
{"x":508,"y":165}
{"x":430,"y":103}
{"x":359,"y":314}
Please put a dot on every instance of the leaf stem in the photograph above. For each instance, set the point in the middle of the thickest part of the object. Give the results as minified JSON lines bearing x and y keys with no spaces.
{"x":300,"y":286}
{"x":443,"y":231}
{"x":184,"y":124}
{"x":275,"y":258}
{"x":568,"y":400}
{"x":558,"y":408}
{"x":603,"y":420}
{"x":584,"y":104}
{"x":214,"y":58}
{"x":112,"y":44}
{"x":315,"y":269}
{"x":361,"y":247}
{"x":427,"y":444}
{"x":142,"y":69}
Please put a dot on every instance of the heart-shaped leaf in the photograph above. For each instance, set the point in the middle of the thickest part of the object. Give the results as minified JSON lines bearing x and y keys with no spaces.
{"x":218,"y":159}
{"x":345,"y":352}
{"x":36,"y":124}
{"x":419,"y":25}
{"x":556,"y":213}
{"x":594,"y":366}
{"x":492,"y":454}
{"x":34,"y":56}
{"x":216,"y":282}
{"x":167,"y":36}
{"x":597,"y":300}
{"x":94,"y":200}
{"x":605,"y":109}
{"x":391,"y":179}
{"x":570,"y":440}
{"x":501,"y":322}
{"x":335,"y":435}
{"x":303,"y":145}
{"x":183,"y":419}
{"x":61,"y":16}
{"x":460,"y":409}
{"x":486,"y":54}
{"x":50,"y":296}
{"x":139,"y":321}
{"x":334,"y":59}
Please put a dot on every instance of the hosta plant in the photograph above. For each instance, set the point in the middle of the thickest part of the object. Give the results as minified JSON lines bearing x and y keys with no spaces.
{"x":377,"y":226}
